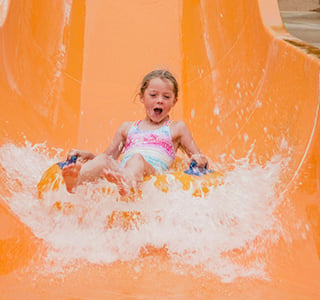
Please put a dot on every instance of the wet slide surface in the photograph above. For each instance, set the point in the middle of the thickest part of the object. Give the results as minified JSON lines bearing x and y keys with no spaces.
{"x":70,"y":72}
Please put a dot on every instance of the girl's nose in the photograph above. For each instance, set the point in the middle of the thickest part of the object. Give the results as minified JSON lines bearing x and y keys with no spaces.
{"x":160,"y":99}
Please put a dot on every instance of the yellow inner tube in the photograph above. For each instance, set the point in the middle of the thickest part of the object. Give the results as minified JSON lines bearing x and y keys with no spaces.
{"x":52,"y":180}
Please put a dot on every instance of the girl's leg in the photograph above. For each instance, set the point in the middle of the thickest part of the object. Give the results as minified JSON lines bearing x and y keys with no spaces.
{"x":131,"y":175}
{"x":138,"y":167}
{"x":91,"y":170}
{"x":70,"y":175}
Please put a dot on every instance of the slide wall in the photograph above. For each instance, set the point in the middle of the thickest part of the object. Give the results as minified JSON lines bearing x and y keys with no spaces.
{"x":69,"y":76}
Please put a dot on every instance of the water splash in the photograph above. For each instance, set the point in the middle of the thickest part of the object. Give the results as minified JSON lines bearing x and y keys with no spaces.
{"x":233,"y":223}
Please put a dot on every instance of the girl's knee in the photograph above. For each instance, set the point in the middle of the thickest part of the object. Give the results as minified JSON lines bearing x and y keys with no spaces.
{"x":137,"y":159}
{"x":139,"y":164}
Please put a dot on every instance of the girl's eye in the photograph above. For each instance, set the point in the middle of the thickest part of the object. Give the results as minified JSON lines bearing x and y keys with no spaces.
{"x":152,"y":95}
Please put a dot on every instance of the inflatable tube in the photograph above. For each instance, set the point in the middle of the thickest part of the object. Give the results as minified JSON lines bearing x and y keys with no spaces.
{"x":200,"y":180}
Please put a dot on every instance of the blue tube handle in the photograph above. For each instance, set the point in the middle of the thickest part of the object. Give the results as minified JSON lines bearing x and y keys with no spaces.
{"x":196,"y":171}
{"x":68,"y":162}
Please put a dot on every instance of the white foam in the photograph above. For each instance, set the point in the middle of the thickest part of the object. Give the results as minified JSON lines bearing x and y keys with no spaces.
{"x":196,"y":231}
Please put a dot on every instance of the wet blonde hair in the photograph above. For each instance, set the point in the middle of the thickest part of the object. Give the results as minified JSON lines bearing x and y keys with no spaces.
{"x":164,"y":75}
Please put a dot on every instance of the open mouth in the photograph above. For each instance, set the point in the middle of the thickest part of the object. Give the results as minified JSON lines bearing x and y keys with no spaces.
{"x":157,"y":111}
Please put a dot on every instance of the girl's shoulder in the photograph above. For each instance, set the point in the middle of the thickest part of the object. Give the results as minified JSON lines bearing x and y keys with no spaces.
{"x":178,"y":127}
{"x":127,"y":124}
{"x":125,"y":127}
{"x":178,"y":124}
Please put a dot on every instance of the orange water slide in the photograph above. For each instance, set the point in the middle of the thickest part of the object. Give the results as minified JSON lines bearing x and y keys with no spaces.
{"x":69,"y":74}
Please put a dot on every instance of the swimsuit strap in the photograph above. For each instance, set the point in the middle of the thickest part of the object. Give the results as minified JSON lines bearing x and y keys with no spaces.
{"x":168,"y":123}
{"x":136,"y":123}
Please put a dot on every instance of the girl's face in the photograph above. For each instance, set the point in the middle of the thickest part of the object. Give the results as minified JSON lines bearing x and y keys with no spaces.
{"x":158,"y":99}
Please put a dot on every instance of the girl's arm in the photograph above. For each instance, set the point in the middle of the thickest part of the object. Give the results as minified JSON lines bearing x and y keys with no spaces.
{"x":93,"y":169}
{"x":82,"y":155}
{"x":187,"y":143}
{"x":115,"y":148}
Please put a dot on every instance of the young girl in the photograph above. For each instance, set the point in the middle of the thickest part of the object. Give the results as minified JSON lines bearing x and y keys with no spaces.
{"x":149,"y":145}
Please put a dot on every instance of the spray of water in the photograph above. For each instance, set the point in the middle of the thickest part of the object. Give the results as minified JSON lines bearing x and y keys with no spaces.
{"x":232,"y":221}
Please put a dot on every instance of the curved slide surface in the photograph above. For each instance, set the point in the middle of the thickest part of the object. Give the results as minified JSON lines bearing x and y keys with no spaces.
{"x":250,"y":93}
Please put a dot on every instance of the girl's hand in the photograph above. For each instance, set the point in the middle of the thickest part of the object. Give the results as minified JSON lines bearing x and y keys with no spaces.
{"x":82,"y":156}
{"x":200,"y":159}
